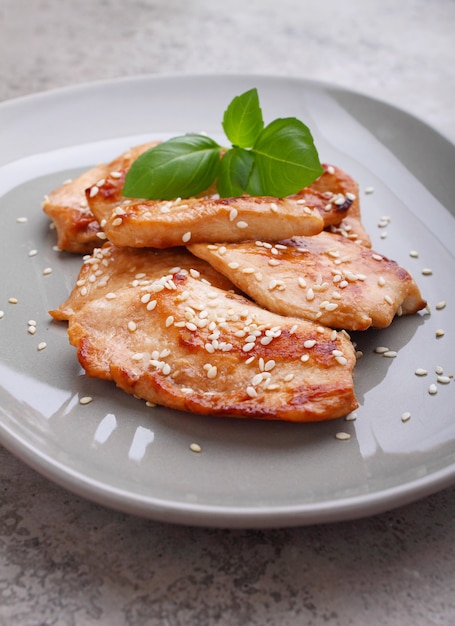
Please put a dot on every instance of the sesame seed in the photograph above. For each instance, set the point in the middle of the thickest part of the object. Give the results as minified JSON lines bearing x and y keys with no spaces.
{"x":432,"y":389}
{"x":110,"y":296}
{"x":242,"y":224}
{"x":101,"y":235}
{"x":32,"y":252}
{"x":351,"y":417}
{"x":341,"y":360}
{"x":388,"y":299}
{"x":390,"y":354}
{"x":186,"y":237}
{"x":93,"y":191}
{"x":86,"y":400}
{"x":166,"y":369}
{"x":22,"y":220}
{"x":309,"y":343}
{"x":117,"y":222}
{"x":251,"y":391}
{"x":2,"y":313}
{"x":248,"y":346}
{"x":47,"y":271}
{"x":369,"y":190}
{"x":440,"y":305}
{"x":212,"y":371}
{"x":310,"y":294}
{"x":132,"y":326}
{"x":444,"y":380}
{"x":195,"y":447}
{"x":151,"y":305}
{"x":233,"y":214}
{"x":420,"y":372}
{"x":138,"y":356}
{"x":42,"y":346}
{"x":427,"y":271}
{"x":414,"y":254}
{"x":439,"y":333}
{"x":257,"y":380}
{"x":381,"y":349}
{"x":343,"y":436}
{"x":406,"y":416}
{"x":304,"y":358}
{"x":13,"y":300}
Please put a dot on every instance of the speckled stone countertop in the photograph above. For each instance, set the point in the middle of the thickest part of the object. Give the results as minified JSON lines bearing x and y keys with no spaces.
{"x":65,"y":561}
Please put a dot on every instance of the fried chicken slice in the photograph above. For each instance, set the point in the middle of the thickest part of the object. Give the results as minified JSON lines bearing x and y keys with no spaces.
{"x":77,"y":228}
{"x":326,"y":278}
{"x":165,"y":224}
{"x":165,"y":327}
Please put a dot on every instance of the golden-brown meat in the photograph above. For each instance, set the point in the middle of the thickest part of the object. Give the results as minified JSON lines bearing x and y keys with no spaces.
{"x":326,"y":278}
{"x":164,"y":224}
{"x":77,"y":228}
{"x":163,"y":326}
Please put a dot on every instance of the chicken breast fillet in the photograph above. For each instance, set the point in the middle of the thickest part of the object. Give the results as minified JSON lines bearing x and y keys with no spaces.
{"x":165,"y":327}
{"x":77,"y":228}
{"x":163,"y":224}
{"x":326,"y":278}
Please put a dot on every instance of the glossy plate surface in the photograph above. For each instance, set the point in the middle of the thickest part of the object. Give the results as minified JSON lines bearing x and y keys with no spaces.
{"x":118,"y":452}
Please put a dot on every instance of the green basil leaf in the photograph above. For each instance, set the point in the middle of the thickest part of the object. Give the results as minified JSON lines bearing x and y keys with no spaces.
{"x":285,"y":159}
{"x":234,"y":172}
{"x":180,"y":167}
{"x":242,"y":120}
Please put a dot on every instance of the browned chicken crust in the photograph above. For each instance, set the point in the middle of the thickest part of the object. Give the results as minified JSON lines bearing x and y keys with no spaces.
{"x":326,"y":278}
{"x":164,"y":327}
{"x":77,"y":228}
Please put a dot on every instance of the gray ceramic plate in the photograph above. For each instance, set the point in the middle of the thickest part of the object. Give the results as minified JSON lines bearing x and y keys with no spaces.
{"x":120,"y":453}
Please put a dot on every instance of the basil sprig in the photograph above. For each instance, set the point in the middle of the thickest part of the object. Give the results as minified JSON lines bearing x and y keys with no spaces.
{"x":274,"y":160}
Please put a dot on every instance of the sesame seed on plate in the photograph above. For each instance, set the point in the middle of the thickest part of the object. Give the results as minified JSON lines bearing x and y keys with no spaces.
{"x":195,"y":447}
{"x":41,"y":346}
{"x":343,"y":436}
{"x":406,"y":416}
{"x":85,"y":400}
